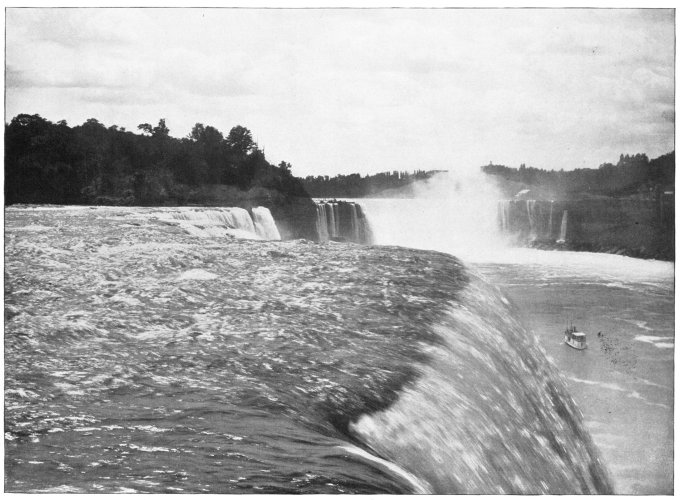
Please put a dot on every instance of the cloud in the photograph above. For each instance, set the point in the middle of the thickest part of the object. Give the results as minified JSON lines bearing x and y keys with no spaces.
{"x":15,"y":78}
{"x":118,"y":97}
{"x":345,"y":90}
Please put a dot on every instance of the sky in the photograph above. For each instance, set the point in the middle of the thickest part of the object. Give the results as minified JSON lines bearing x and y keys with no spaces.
{"x":338,"y":91}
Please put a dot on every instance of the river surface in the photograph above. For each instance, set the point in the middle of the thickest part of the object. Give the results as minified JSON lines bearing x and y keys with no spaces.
{"x":624,"y":382}
{"x":144,"y":355}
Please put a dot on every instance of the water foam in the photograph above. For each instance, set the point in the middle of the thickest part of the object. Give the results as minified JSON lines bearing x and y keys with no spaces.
{"x":451,"y":213}
{"x":264,"y":224}
{"x":220,"y":222}
{"x":488,"y":415}
{"x":657,"y":342}
{"x":419,"y":486}
{"x":197,"y":274}
{"x":458,"y":214}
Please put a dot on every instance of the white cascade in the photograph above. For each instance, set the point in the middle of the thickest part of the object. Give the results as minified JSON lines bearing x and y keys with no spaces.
{"x":531,"y":212}
{"x":265,"y":227}
{"x":321,"y":222}
{"x":455,"y":213}
{"x":355,"y":222}
{"x":563,"y":228}
{"x":336,"y":219}
{"x":331,"y":220}
{"x":214,"y":222}
{"x":504,"y":215}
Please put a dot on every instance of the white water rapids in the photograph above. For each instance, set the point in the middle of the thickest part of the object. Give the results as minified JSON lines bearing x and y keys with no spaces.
{"x":623,"y":382}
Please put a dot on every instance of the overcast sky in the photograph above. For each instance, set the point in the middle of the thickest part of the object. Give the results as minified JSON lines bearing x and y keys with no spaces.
{"x":342,"y":91}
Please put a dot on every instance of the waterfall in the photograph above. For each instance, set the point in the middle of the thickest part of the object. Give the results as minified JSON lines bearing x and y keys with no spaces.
{"x":531,"y":212}
{"x":265,"y":227}
{"x":332,"y":232}
{"x":537,"y":224}
{"x":223,"y":222}
{"x":336,"y":219}
{"x":563,"y":228}
{"x":355,"y":222}
{"x":321,"y":222}
{"x":342,"y":221}
{"x":504,"y":215}
{"x":454,"y":212}
{"x":365,"y":234}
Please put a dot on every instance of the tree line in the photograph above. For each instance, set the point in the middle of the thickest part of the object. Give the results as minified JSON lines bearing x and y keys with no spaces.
{"x":356,"y":186}
{"x":632,"y":175}
{"x":48,"y":162}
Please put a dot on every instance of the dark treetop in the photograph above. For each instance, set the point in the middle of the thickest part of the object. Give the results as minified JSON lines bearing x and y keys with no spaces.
{"x":49,"y":162}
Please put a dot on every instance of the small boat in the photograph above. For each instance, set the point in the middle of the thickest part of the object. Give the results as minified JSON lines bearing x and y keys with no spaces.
{"x":575,"y":339}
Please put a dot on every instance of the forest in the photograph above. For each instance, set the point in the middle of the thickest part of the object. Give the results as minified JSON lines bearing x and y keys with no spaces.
{"x":632,"y":176}
{"x":48,"y":162}
{"x":356,"y":186}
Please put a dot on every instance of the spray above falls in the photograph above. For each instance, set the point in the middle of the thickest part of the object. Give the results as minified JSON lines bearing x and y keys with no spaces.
{"x":450,"y":212}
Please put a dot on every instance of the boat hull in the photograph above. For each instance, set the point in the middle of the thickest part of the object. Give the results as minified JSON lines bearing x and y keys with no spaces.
{"x":576,"y":345}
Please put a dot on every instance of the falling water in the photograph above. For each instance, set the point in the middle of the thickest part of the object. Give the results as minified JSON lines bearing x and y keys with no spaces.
{"x":563,"y":228}
{"x":550,"y":220}
{"x":347,"y":222}
{"x":142,"y":359}
{"x":504,"y":215}
{"x":354,"y":222}
{"x":531,"y":212}
{"x":264,"y":224}
{"x":222,"y":222}
{"x":449,"y":213}
{"x":321,"y":222}
{"x":336,"y":219}
{"x":332,"y":232}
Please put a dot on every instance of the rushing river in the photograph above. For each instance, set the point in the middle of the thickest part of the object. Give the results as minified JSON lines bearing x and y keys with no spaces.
{"x":144,"y":355}
{"x":624,"y":382}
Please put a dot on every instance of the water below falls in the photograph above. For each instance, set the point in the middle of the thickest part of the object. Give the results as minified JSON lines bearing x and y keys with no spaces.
{"x":149,"y":350}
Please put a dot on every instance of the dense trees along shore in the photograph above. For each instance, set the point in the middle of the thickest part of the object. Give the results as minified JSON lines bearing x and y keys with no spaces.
{"x":49,"y":162}
{"x":633,"y":175}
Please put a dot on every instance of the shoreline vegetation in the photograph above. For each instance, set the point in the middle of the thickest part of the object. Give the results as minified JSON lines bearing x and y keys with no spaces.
{"x":634,"y":176}
{"x":380,"y":185}
{"x":91,"y":164}
{"x":627,"y":208}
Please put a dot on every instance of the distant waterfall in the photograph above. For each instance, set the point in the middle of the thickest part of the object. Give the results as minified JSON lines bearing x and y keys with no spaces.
{"x":342,"y":220}
{"x":355,"y":222}
{"x":504,"y":215}
{"x":336,"y":218}
{"x":531,"y":212}
{"x":322,"y":222}
{"x":529,"y":221}
{"x":224,"y":222}
{"x":265,"y":227}
{"x":563,"y":228}
{"x":332,"y":228}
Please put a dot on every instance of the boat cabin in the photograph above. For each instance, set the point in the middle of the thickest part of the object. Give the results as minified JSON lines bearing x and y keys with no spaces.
{"x":575,"y":339}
